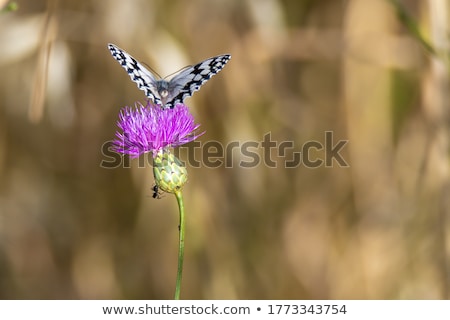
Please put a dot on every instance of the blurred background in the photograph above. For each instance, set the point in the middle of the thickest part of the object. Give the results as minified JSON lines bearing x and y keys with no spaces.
{"x":373,"y":72}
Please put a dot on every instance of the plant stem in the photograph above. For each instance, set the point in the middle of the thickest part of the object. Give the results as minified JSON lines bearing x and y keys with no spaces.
{"x":179,"y":197}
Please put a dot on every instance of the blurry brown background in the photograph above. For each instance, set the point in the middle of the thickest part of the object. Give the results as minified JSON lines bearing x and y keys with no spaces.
{"x":377,"y":229}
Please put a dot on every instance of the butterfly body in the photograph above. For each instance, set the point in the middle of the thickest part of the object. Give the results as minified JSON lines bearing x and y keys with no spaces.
{"x":168,"y":93}
{"x":162,"y":86}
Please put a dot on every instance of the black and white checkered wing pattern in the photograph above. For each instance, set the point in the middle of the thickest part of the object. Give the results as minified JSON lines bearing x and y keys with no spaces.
{"x":168,"y":93}
{"x":144,"y":79}
{"x":191,"y":78}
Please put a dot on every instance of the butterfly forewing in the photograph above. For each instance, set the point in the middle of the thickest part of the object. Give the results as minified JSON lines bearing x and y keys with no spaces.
{"x":144,"y":79}
{"x":182,"y":85}
{"x":190,"y":79}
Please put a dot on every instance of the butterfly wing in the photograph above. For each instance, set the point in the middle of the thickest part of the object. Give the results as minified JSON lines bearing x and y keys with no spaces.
{"x":191,"y":78}
{"x":144,"y":79}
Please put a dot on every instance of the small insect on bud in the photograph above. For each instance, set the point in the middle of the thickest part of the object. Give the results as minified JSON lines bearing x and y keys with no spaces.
{"x":156,"y":192}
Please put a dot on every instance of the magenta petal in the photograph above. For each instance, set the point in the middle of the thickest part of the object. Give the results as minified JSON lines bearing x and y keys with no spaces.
{"x":151,"y":128}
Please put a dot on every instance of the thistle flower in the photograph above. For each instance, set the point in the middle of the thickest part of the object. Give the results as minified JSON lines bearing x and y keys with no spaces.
{"x":153,"y":129}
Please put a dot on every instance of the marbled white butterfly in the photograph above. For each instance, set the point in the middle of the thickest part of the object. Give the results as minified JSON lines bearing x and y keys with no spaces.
{"x":167,"y":93}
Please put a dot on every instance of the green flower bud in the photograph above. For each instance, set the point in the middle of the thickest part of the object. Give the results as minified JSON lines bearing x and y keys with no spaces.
{"x":170,"y":174}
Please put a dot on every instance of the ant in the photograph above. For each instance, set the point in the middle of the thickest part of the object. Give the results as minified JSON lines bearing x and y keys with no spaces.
{"x":156,"y":193}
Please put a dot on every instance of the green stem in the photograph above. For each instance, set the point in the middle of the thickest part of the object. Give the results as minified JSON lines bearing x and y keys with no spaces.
{"x":179,"y":197}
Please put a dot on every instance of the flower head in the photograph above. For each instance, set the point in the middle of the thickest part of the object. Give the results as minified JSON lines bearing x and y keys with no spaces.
{"x":151,"y":129}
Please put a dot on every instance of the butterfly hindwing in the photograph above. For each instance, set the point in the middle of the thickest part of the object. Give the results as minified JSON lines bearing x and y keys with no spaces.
{"x":169,"y":93}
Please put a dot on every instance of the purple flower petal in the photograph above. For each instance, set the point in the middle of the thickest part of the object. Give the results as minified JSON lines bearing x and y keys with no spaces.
{"x":151,"y":128}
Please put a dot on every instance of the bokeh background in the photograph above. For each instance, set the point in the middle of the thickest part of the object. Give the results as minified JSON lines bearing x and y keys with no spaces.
{"x":374,"y":72}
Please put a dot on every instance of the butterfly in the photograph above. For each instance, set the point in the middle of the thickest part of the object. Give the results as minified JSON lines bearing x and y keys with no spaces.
{"x":168,"y":93}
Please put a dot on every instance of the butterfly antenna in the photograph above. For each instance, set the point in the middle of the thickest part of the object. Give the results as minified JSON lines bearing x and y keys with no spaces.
{"x":153,"y":71}
{"x":178,"y":71}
